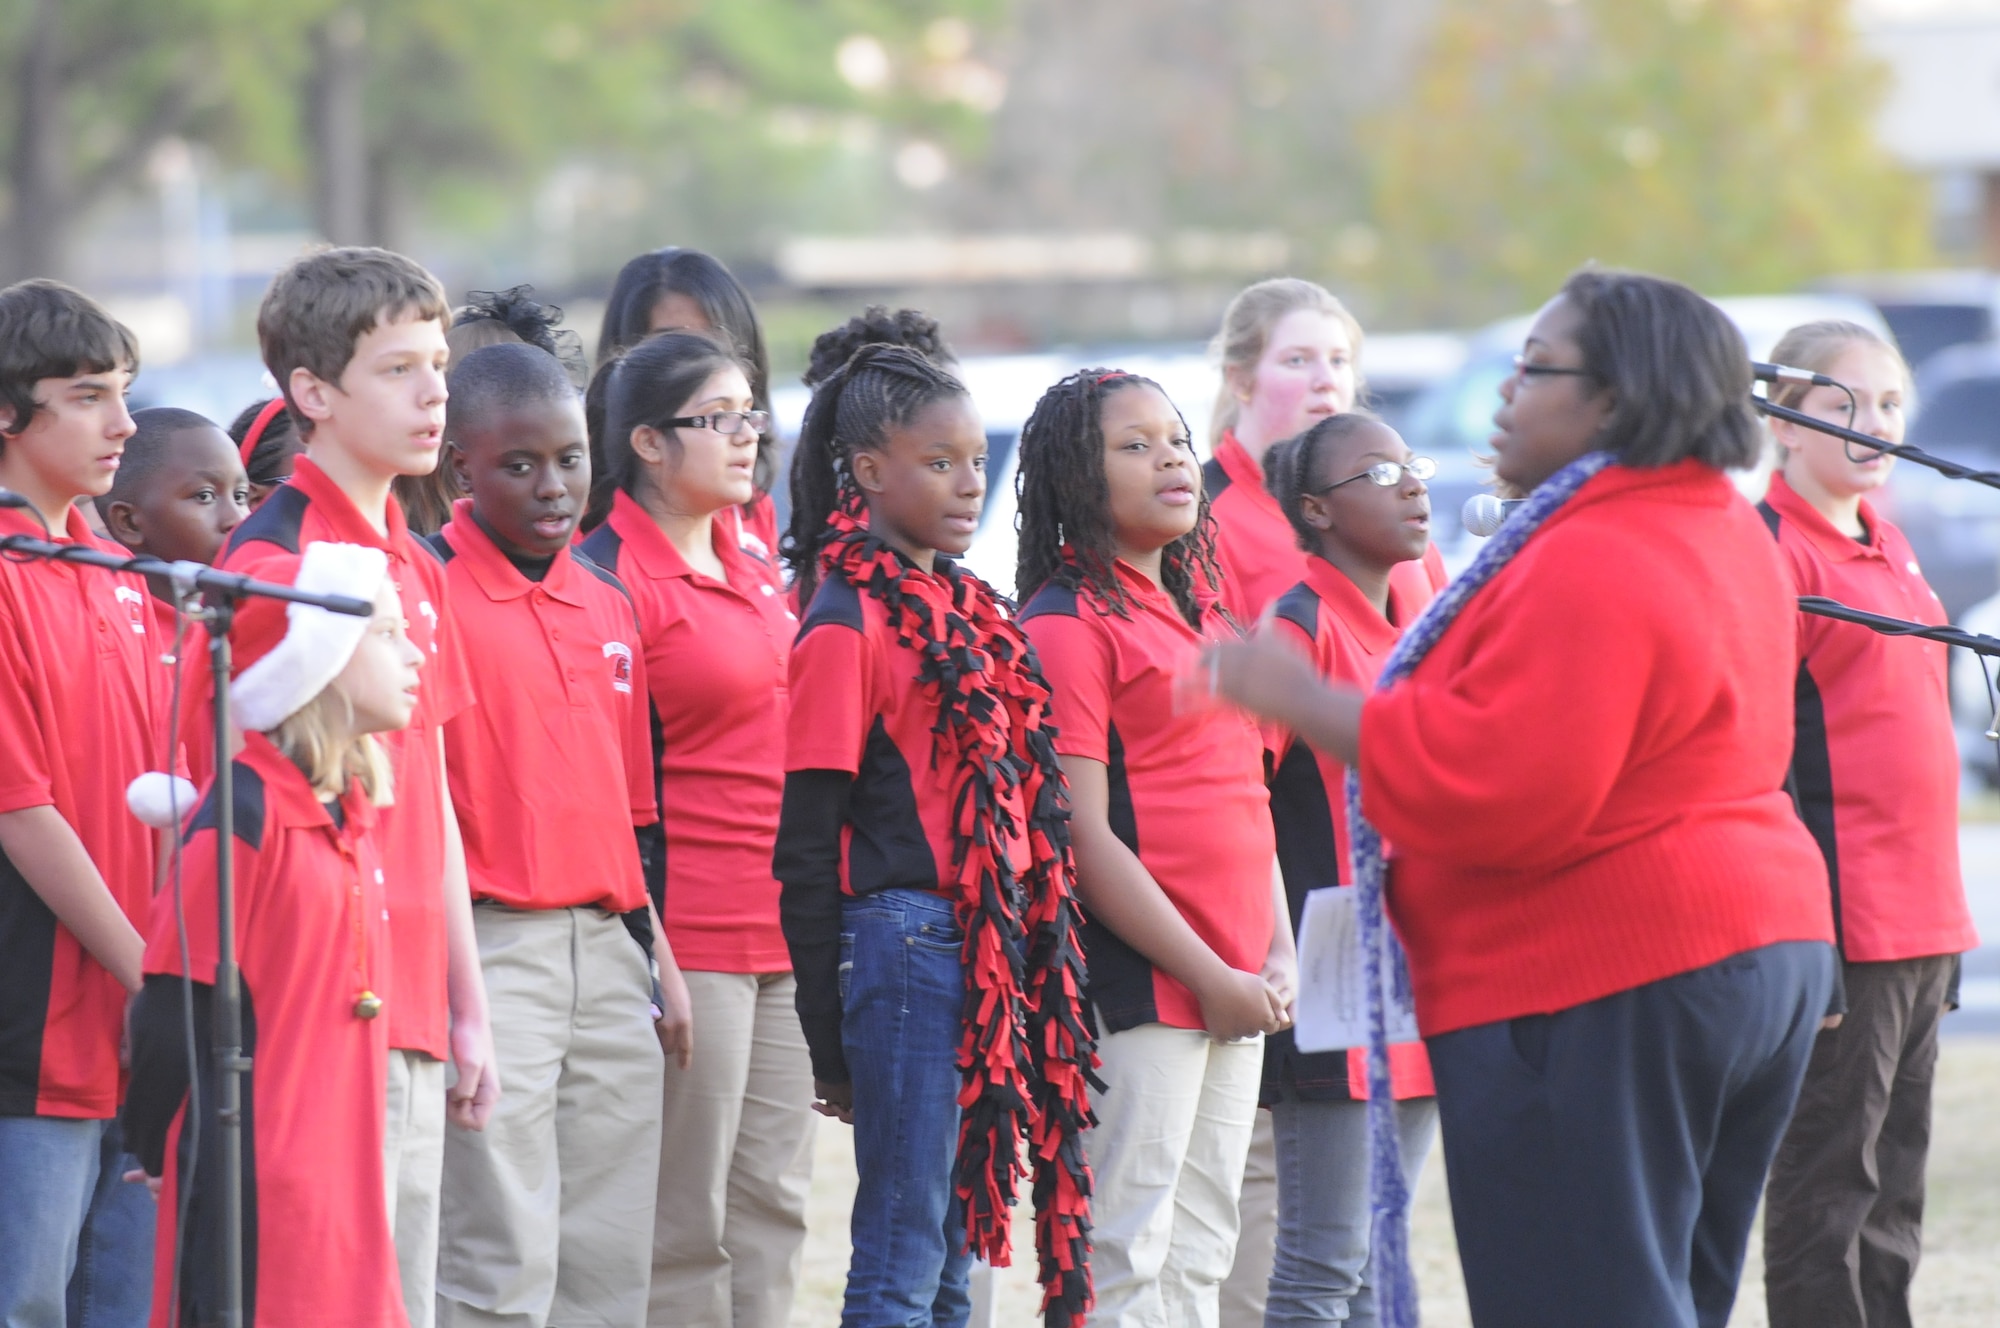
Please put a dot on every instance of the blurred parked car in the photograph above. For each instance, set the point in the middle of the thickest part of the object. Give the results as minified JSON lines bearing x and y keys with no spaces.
{"x":1928,"y":311}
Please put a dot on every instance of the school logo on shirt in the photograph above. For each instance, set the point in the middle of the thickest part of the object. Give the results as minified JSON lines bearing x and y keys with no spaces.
{"x":135,"y":607}
{"x":430,"y":616}
{"x":620,"y":656}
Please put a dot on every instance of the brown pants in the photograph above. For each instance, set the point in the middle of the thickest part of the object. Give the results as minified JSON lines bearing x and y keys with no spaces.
{"x":1844,"y":1209}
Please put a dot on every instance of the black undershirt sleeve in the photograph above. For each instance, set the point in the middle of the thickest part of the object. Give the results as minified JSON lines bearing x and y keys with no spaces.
{"x":807,"y":865}
{"x":159,"y":1082}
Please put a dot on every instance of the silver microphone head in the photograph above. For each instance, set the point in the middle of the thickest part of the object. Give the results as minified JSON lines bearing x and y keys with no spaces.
{"x":1483,"y":513}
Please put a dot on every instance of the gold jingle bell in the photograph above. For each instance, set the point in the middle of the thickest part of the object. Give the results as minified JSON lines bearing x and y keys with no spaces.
{"x":367,"y":1005}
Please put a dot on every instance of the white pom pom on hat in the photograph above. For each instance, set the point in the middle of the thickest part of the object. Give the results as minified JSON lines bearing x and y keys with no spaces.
{"x":159,"y":799}
{"x":286,"y":654}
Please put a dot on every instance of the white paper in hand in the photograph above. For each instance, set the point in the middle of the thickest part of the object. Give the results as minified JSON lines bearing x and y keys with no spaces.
{"x":1332,"y":1011}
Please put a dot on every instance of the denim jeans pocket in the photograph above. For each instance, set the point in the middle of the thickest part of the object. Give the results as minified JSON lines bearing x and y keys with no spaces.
{"x":944,"y":937}
{"x":846,"y":963}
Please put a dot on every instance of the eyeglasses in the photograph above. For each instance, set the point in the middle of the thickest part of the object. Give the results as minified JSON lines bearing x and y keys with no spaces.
{"x":724,"y":422}
{"x":1523,"y":367}
{"x":1385,"y":473}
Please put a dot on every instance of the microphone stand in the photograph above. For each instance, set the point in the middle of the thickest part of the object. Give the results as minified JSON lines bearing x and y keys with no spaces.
{"x":1880,"y":622}
{"x":1951,"y":469}
{"x":220,"y":592}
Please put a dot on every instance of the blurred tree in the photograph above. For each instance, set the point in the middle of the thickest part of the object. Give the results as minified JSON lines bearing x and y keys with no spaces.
{"x":96,"y":85}
{"x":1727,"y":143}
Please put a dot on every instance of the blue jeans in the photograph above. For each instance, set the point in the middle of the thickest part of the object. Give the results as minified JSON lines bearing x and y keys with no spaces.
{"x":1321,"y":1273}
{"x":76,"y":1240}
{"x":1605,"y":1161}
{"x":902,"y":988}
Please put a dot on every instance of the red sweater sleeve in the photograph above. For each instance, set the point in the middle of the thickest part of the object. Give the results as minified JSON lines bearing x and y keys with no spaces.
{"x":1505,"y":760}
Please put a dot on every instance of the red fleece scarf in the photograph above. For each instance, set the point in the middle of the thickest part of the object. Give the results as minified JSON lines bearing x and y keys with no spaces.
{"x":1025,"y":1055}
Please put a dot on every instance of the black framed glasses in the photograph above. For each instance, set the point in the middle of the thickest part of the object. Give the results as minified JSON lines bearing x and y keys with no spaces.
{"x":1385,"y":473}
{"x":1528,"y":369}
{"x":724,"y":422}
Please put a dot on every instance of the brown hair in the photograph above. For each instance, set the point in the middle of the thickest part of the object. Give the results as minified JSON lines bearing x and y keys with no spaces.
{"x":320,"y":307}
{"x":1815,"y":346}
{"x":318,"y":738}
{"x":49,"y":330}
{"x":1246,"y":332}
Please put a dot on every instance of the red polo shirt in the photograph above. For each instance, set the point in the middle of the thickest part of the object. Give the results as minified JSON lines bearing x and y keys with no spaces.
{"x":1584,"y":778}
{"x":550,"y":772}
{"x":310,"y":508}
{"x":82,"y":712}
{"x":1327,"y":619}
{"x":857,"y":707}
{"x":1187,"y":786}
{"x":311,"y":936}
{"x":716,"y":655}
{"x":1876,"y":762}
{"x":1259,"y":550}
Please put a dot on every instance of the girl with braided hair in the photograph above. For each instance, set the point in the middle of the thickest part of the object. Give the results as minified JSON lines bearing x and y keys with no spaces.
{"x":923,"y":849}
{"x":1355,"y":499}
{"x":1188,"y":940}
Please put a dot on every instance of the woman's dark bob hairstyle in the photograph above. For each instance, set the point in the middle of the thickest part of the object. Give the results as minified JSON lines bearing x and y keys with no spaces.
{"x":1675,"y":365}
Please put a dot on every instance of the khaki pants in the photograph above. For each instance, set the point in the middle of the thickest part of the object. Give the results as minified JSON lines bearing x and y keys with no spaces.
{"x":547,"y":1213}
{"x":412,"y":1164}
{"x":1168,"y":1154}
{"x":736,"y":1140}
{"x":1844,"y":1209}
{"x":1249,"y":1281}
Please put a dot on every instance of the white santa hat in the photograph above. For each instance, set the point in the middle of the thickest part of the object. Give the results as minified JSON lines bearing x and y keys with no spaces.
{"x":285,"y":654}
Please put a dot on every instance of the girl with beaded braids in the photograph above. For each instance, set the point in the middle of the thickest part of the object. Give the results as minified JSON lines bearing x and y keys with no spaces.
{"x":924,"y":859}
{"x":1355,"y":500}
{"x":1189,"y":943}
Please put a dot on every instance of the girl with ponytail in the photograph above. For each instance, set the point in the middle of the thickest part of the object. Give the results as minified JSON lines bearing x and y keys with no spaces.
{"x":924,"y":853}
{"x":1189,"y":947}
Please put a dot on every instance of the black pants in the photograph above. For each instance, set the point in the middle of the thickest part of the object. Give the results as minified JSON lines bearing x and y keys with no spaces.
{"x":1605,"y":1161}
{"x":1843,"y":1225}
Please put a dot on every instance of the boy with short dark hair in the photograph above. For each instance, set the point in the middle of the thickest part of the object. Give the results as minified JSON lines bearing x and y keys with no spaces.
{"x":548,"y":1214}
{"x":179,"y":492}
{"x":80,"y":708}
{"x":355,"y":339}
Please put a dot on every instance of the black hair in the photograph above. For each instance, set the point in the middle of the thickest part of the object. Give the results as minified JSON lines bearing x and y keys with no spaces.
{"x":529,"y":320}
{"x":1677,"y":368}
{"x":270,"y":461}
{"x":690,"y":272}
{"x":501,"y":378}
{"x":49,"y":330}
{"x":876,"y":325}
{"x":1289,"y":467}
{"x":649,"y":383}
{"x":878,"y":389}
{"x":145,"y":450}
{"x":1066,"y":500}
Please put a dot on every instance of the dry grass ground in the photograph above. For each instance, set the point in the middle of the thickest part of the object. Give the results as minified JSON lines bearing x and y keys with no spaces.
{"x":1958,"y":1286}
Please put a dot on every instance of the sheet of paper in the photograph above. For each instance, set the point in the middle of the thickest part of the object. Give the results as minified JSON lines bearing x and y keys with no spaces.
{"x":1333,"y":983}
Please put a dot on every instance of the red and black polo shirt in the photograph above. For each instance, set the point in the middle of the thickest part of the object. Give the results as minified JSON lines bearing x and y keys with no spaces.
{"x":311,"y":938}
{"x":1327,"y":620}
{"x":716,"y":654}
{"x":1874,"y":762}
{"x":1187,"y":786}
{"x":83,"y":704}
{"x":310,"y":508}
{"x":553,"y":769}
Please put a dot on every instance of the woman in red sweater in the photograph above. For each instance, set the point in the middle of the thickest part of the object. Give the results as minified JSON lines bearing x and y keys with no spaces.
{"x":1616,"y":925}
{"x":1876,"y":773}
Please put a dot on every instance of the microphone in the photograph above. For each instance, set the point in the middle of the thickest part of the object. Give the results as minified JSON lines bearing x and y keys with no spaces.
{"x":1784,"y":373}
{"x":8,"y":498}
{"x":1483,"y":513}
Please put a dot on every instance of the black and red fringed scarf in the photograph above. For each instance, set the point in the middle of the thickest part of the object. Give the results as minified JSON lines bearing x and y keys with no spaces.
{"x":1025,"y":1054}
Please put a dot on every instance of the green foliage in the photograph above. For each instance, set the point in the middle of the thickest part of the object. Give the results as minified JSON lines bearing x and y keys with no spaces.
{"x":1724,"y":142}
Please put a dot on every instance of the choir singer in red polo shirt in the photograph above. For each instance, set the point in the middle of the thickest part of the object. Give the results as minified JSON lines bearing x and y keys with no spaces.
{"x":1617,"y":928}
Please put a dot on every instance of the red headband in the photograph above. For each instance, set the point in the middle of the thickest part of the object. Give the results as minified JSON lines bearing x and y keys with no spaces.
{"x":255,"y":433}
{"x":1102,"y":379}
